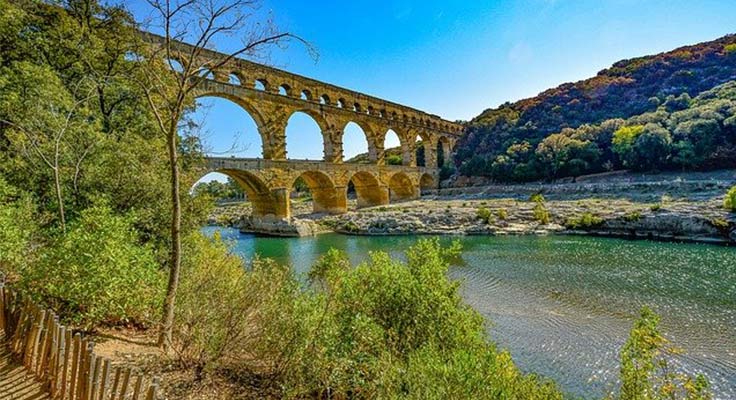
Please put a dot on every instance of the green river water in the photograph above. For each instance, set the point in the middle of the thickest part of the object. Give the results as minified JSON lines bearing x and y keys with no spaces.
{"x":563,"y":305}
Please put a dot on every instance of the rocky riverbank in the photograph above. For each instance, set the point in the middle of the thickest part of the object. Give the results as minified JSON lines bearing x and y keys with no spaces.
{"x":668,"y":207}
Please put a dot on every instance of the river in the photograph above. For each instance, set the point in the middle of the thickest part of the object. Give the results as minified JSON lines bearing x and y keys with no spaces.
{"x":563,"y":305}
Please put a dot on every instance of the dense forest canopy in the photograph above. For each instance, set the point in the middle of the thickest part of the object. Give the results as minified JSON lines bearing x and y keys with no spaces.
{"x":574,"y":129}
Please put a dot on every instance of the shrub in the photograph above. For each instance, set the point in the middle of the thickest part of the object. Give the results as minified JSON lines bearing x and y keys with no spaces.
{"x":18,"y":229}
{"x":97,"y":272}
{"x":537,"y":198}
{"x":502,"y":214}
{"x":584,"y":221}
{"x":219,"y":302}
{"x":387,"y":329}
{"x":655,"y":207}
{"x":645,"y":371}
{"x":541,"y":214}
{"x":730,"y":201}
{"x":632,"y":216}
{"x":484,"y":215}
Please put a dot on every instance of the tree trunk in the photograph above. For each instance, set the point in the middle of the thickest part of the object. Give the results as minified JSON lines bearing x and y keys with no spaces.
{"x":167,"y":324}
{"x":59,"y":198}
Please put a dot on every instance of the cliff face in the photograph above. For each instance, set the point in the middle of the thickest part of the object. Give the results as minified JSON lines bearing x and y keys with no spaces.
{"x":626,"y":89}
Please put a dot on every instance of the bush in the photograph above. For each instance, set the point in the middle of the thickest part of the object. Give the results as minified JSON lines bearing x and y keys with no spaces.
{"x":97,"y":272}
{"x":645,"y":371}
{"x":484,"y":215}
{"x":632,"y":216}
{"x":541,"y":214}
{"x":584,"y":221}
{"x":387,"y":329}
{"x":730,"y":201}
{"x":502,"y":214}
{"x":220,"y":303}
{"x":18,"y":229}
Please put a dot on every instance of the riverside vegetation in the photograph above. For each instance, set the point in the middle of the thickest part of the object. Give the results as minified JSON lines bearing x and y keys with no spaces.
{"x":84,"y":221}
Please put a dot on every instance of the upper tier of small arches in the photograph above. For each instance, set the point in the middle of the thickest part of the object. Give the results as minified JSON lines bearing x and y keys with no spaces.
{"x":324,"y":95}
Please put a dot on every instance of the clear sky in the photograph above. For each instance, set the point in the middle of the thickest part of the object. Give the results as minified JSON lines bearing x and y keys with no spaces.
{"x":456,"y":58}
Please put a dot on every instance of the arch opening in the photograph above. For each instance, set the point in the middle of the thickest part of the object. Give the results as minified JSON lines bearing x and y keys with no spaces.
{"x":228,"y":127}
{"x":261,"y":85}
{"x":263,"y":202}
{"x":367,"y":191}
{"x":420,"y":151}
{"x":393,"y":149}
{"x":315,"y":188}
{"x":174,"y":65}
{"x":401,"y":188}
{"x":341,"y":103}
{"x":306,"y":95}
{"x":233,"y":79}
{"x":221,"y":188}
{"x":285,"y":90}
{"x":303,"y":133}
{"x":355,"y":144}
{"x":206,"y":74}
{"x":427,"y":183}
{"x":325,"y":99}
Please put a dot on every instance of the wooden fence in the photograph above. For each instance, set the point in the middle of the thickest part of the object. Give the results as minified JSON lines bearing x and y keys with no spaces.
{"x":64,"y":362}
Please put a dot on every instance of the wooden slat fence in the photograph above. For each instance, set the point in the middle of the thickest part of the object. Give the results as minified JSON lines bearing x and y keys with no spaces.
{"x":63,"y":361}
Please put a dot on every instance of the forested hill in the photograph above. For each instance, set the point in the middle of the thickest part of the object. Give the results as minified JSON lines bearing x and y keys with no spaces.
{"x":517,"y":142}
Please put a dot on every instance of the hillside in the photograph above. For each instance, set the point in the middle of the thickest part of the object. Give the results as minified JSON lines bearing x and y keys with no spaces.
{"x":531,"y":139}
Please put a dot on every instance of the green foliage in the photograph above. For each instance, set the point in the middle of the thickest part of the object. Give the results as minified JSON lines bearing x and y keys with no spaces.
{"x":569,"y":129}
{"x":386,"y":329}
{"x":231,"y":190}
{"x":729,"y":202}
{"x":632,"y":216}
{"x":540,"y":212}
{"x":584,"y":221}
{"x":730,"y":48}
{"x":97,"y":272}
{"x":502,"y":214}
{"x":645,"y":371}
{"x":394,"y":159}
{"x":220,"y":302}
{"x":484,"y":215}
{"x":18,"y":230}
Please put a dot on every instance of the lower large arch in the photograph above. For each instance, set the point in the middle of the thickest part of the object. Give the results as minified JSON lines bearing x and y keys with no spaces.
{"x":369,"y":190}
{"x":427,"y":182}
{"x":402,"y":188}
{"x":326,"y":197}
{"x":264,"y":201}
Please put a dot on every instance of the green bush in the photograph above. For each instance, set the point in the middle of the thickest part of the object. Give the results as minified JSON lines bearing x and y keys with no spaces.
{"x":388,"y":329}
{"x":219,"y":302}
{"x":541,"y":214}
{"x":484,"y":215}
{"x":645,"y":371}
{"x":97,"y":272}
{"x":632,"y":216}
{"x":584,"y":221}
{"x":502,"y":214}
{"x":730,"y":201}
{"x":18,"y":229}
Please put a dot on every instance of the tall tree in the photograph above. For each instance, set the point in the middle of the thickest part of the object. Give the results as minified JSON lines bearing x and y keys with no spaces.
{"x":170,"y":73}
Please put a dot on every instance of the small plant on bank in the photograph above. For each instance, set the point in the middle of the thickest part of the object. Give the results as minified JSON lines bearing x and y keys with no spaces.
{"x":584,"y":221}
{"x":632,"y":216}
{"x":645,"y":370}
{"x":502,"y":214}
{"x":484,"y":215}
{"x":656,"y":207}
{"x":541,"y":214}
{"x":729,"y":202}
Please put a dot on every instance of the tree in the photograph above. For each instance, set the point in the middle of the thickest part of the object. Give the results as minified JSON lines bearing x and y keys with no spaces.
{"x":169,"y":88}
{"x":49,"y":126}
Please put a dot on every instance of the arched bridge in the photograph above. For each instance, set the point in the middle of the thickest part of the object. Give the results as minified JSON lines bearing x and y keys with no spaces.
{"x":268,"y":183}
{"x":271,"y":96}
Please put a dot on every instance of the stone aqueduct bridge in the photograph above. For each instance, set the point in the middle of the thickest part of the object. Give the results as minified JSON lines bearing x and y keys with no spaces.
{"x":268,"y":183}
{"x":271,"y":96}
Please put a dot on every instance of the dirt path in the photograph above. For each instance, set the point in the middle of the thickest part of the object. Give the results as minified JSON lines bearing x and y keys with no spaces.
{"x":15,"y":382}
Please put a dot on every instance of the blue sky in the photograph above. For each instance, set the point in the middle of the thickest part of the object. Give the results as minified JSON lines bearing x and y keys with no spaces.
{"x":456,"y":58}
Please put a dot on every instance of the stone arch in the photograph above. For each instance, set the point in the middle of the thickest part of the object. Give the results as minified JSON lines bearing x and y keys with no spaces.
{"x":306,"y":94}
{"x":264,"y":201}
{"x":325,"y":99}
{"x":321,"y":124}
{"x":326,"y":197}
{"x":401,"y":187}
{"x":262,"y":85}
{"x":234,"y":79}
{"x":368,"y":189}
{"x":252,"y":111}
{"x":388,"y":140}
{"x":285,"y":90}
{"x":368,"y":134}
{"x":427,"y":182}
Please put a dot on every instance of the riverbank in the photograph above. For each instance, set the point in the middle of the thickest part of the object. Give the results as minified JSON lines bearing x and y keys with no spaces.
{"x":667,"y":219}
